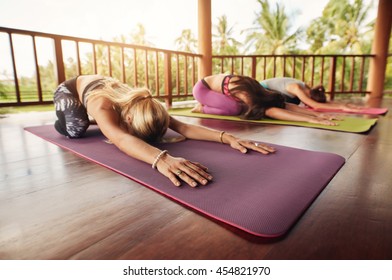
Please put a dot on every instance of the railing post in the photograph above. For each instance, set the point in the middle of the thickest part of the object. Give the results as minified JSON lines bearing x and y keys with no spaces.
{"x":38,"y":77}
{"x":378,"y":63}
{"x":204,"y":38}
{"x":168,"y":79}
{"x":16,"y":81}
{"x":332,"y":77}
{"x":253,"y":67}
{"x":59,"y":60}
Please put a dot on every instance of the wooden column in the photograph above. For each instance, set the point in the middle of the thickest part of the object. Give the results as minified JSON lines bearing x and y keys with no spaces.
{"x":382,"y":31}
{"x":204,"y":38}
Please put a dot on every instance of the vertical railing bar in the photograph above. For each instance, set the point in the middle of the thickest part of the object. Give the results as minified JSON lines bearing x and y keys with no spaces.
{"x":135,"y":68}
{"x":303,"y":68}
{"x":253,"y":69}
{"x":343,"y":74}
{"x":146,"y":81}
{"x":186,"y":74}
{"x":78,"y":58}
{"x":168,"y":81}
{"x":274,"y":71}
{"x":361,"y":75}
{"x":123,"y":74}
{"x":178,"y":82}
{"x":313,"y":65}
{"x":242,"y":65}
{"x":16,"y":81}
{"x":95,"y":60}
{"x":156,"y":73}
{"x":222,"y":61}
{"x":59,"y":60}
{"x":294,"y":62}
{"x":352,"y":73}
{"x":38,"y":77}
{"x":332,"y":72}
{"x":193,"y":72}
{"x":322,"y":70}
{"x":109,"y":61}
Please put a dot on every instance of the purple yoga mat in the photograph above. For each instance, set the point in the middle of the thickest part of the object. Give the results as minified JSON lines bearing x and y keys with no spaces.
{"x":262,"y":195}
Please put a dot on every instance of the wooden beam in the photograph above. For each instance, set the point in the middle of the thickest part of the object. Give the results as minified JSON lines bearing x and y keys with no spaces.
{"x":382,"y":31}
{"x":204,"y":38}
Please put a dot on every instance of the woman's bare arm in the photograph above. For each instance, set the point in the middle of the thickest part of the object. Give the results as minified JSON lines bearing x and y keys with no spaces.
{"x":288,"y":115}
{"x":203,"y":133}
{"x":300,"y":110}
{"x":298,"y":91}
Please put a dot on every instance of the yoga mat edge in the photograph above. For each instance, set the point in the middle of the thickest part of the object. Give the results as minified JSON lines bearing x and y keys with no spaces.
{"x":60,"y":140}
{"x":349,"y":124}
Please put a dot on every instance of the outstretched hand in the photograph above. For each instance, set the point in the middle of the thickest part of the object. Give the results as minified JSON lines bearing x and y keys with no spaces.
{"x":243,"y":145}
{"x":323,"y":121}
{"x":352,"y":108}
{"x":180,"y":169}
{"x":330,"y":117}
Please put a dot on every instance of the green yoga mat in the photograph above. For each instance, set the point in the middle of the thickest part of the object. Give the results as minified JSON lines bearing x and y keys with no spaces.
{"x":348,"y":124}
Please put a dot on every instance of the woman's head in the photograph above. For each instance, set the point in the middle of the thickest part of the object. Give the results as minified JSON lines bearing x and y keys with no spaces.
{"x":258,"y":98}
{"x":144,"y":116}
{"x":261,"y":102}
{"x":318,"y":94}
{"x":141,"y":115}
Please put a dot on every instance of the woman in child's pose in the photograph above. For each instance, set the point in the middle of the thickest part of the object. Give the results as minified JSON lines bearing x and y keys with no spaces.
{"x":296,"y":91}
{"x":132,"y":120}
{"x":241,"y":95}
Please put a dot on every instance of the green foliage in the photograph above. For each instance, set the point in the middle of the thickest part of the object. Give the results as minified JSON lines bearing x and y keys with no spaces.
{"x":272,"y":31}
{"x":186,"y":42}
{"x":342,"y":28}
{"x":223,"y":41}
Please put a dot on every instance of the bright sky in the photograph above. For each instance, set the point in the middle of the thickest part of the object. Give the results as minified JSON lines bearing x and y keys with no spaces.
{"x":163,"y":20}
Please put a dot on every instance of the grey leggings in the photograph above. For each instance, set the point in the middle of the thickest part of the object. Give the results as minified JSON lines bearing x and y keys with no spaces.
{"x":72,"y":116}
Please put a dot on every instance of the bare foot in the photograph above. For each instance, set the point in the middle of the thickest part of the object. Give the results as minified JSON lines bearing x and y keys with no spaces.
{"x":197,"y":109}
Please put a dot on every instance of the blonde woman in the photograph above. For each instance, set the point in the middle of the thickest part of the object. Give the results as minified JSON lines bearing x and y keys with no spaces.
{"x":132,"y":120}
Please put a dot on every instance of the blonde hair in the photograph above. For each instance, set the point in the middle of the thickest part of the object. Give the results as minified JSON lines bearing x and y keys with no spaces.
{"x":141,"y":114}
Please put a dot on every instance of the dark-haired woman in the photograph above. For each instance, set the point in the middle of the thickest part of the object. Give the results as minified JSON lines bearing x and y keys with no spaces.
{"x":296,"y":91}
{"x":244,"y":96}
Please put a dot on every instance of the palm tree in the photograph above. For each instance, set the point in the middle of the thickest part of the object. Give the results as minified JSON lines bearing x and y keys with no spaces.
{"x":139,"y":37}
{"x":343,"y":28}
{"x":186,"y":42}
{"x":272,"y":35}
{"x":224,"y":42}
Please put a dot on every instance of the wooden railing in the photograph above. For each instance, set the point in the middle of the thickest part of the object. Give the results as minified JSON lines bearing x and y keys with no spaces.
{"x":170,"y":75}
{"x":340,"y":74}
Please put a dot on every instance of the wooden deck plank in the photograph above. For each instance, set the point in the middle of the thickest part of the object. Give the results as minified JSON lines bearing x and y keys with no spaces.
{"x":56,"y":205}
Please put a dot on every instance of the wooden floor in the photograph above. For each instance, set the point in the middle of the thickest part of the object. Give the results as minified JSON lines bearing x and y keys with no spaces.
{"x":56,"y":205}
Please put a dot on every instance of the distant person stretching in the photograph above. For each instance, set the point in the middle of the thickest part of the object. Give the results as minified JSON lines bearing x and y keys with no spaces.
{"x":296,"y":91}
{"x":244,"y":96}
